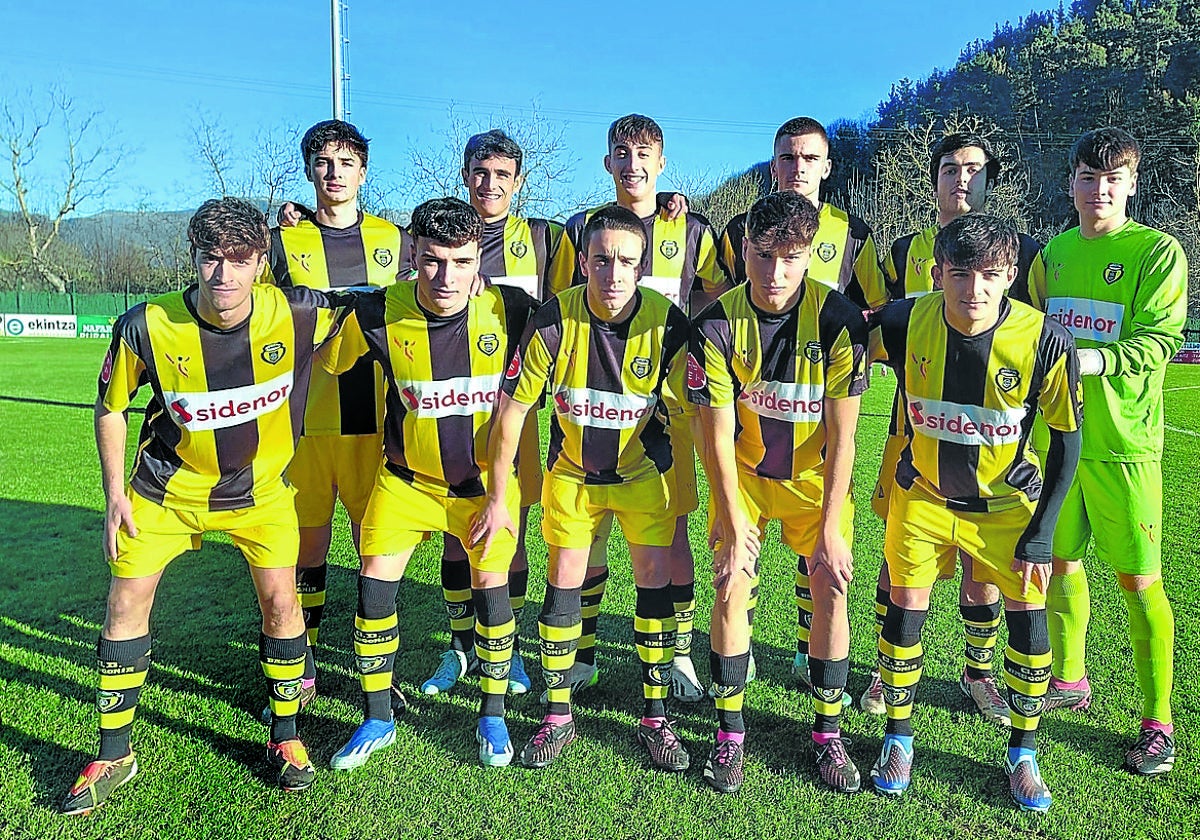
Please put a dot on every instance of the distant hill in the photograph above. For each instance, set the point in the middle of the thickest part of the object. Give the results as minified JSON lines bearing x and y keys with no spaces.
{"x":136,"y":227}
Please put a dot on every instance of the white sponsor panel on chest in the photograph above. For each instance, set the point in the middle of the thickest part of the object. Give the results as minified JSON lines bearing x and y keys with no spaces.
{"x":790,"y":401}
{"x":459,"y":396}
{"x":208,"y":410}
{"x":972,"y":425}
{"x":530,"y":284}
{"x":602,"y":409}
{"x":668,"y":287}
{"x":1096,"y":320}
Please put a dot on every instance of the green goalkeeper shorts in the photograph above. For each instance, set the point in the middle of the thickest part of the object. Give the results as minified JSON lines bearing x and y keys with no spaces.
{"x":1120,"y":504}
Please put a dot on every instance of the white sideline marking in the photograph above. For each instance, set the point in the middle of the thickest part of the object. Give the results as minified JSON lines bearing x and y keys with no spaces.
{"x":1182,"y":431}
{"x":1182,"y":388}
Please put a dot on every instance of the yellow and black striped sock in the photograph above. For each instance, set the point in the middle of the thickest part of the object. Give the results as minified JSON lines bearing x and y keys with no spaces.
{"x":901,"y":659}
{"x":494,"y":633}
{"x":981,"y":626}
{"x":123,"y":666}
{"x":518,"y":588}
{"x":828,"y":685}
{"x":729,"y":689}
{"x":559,"y":627}
{"x":683,"y":597}
{"x":883,"y":600}
{"x":283,"y":665}
{"x":456,"y":592}
{"x":376,"y":640}
{"x":804,"y":605}
{"x":310,"y":584}
{"x":1026,"y":673}
{"x":654,"y":637}
{"x":590,"y":597}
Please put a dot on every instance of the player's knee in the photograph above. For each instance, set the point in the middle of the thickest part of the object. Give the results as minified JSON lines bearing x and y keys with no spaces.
{"x":1067,"y":567}
{"x":1137,"y":583}
{"x":280,"y":610}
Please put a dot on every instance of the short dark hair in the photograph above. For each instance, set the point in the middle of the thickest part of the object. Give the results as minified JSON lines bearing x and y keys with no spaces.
{"x":232,"y":226}
{"x":951,"y":143}
{"x":492,"y":144}
{"x":634,"y":128}
{"x":614,"y":217}
{"x":782,"y":219}
{"x":976,"y":241}
{"x":342,"y":133}
{"x":1105,"y":149}
{"x":447,"y":221}
{"x":800,"y":126}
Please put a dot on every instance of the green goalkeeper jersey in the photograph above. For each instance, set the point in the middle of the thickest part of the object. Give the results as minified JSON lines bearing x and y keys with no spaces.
{"x":1125,"y":294}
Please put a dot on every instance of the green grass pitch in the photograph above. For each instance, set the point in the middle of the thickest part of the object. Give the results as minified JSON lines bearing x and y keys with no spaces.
{"x":201,"y":747}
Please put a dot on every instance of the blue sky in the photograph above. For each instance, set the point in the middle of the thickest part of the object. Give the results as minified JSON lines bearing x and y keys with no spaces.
{"x":718,"y":77}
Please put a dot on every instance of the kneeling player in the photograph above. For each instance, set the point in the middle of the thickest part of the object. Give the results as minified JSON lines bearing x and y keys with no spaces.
{"x":777,"y":366}
{"x":609,"y":352}
{"x":973,"y":368}
{"x":443,"y":354}
{"x":245,"y":348}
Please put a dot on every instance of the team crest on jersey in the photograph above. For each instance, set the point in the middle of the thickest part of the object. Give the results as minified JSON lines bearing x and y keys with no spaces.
{"x":812,"y":352}
{"x":640,"y":367}
{"x":696,"y":377}
{"x":1113,"y":272}
{"x":827,"y":251}
{"x":514,"y":367}
{"x":518,"y":249}
{"x":1007,"y":379}
{"x":488,"y":344}
{"x":382,"y":256}
{"x":273,"y":352}
{"x":668,"y":248}
{"x":106,"y":701}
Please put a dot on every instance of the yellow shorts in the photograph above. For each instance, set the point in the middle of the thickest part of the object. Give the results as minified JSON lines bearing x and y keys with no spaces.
{"x":683,"y":468}
{"x":796,"y":504}
{"x":266,"y":535}
{"x":400,"y":517}
{"x":572,"y":511}
{"x":529,"y":461}
{"x":923,"y":535}
{"x":329,"y":467}
{"x":887,"y":475}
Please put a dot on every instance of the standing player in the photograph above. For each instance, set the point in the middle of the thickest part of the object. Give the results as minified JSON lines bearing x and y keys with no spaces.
{"x":228,"y":362}
{"x":610,"y":352}
{"x":681,"y":264}
{"x":515,"y":252}
{"x":1121,"y":289}
{"x":777,"y":366}
{"x":973,"y":369}
{"x":962,"y":170}
{"x":843,"y":258}
{"x":443,"y":353}
{"x":338,"y":246}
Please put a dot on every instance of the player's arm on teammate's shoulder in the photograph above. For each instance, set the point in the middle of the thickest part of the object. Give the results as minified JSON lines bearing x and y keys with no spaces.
{"x":565,"y":264}
{"x":1060,"y":401}
{"x":674,"y":204}
{"x":344,"y":342}
{"x":870,"y":274}
{"x":1157,"y":317}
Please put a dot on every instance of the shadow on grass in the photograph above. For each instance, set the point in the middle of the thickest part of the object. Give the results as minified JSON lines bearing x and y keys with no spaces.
{"x":52,"y":767}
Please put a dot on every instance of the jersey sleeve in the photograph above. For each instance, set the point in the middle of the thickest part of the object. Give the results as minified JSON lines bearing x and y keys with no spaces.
{"x":844,"y":339}
{"x":404,"y":263}
{"x":674,"y":363}
{"x":124,"y":370}
{"x":889,"y":334}
{"x":710,"y":377}
{"x":1037,"y":282}
{"x":712,"y":276}
{"x":726,"y":255}
{"x":1060,"y":399}
{"x":346,"y":346}
{"x":870,"y":274}
{"x":565,"y":266}
{"x":276,"y":270}
{"x":1159,"y":312}
{"x":533,"y":362}
{"x":894,"y":266}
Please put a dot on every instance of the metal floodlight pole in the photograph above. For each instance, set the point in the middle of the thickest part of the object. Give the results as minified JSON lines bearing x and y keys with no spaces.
{"x":335,"y":25}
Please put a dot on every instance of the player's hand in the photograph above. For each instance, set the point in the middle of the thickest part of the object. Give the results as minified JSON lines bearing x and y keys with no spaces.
{"x":723,"y":532}
{"x":1037,"y":574}
{"x":477,"y":286}
{"x":833,"y":552}
{"x":1091,"y":363}
{"x":488,"y":522}
{"x":118,"y":514}
{"x":676,"y":205}
{"x":289,"y":214}
{"x":736,"y":551}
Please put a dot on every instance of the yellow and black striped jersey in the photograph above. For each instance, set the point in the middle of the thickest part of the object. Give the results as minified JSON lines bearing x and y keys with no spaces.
{"x":606,"y":381}
{"x":225,"y":415}
{"x":970,"y":401}
{"x":778,"y":369}
{"x":679,"y":254}
{"x":907,"y":264}
{"x":843,"y":256}
{"x":518,"y":252}
{"x":443,"y":376}
{"x":371,"y":252}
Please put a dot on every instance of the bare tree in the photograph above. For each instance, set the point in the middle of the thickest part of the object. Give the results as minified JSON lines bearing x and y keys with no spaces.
{"x":89,"y":158}
{"x":266,"y":168}
{"x":548,"y":163}
{"x":733,"y":195}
